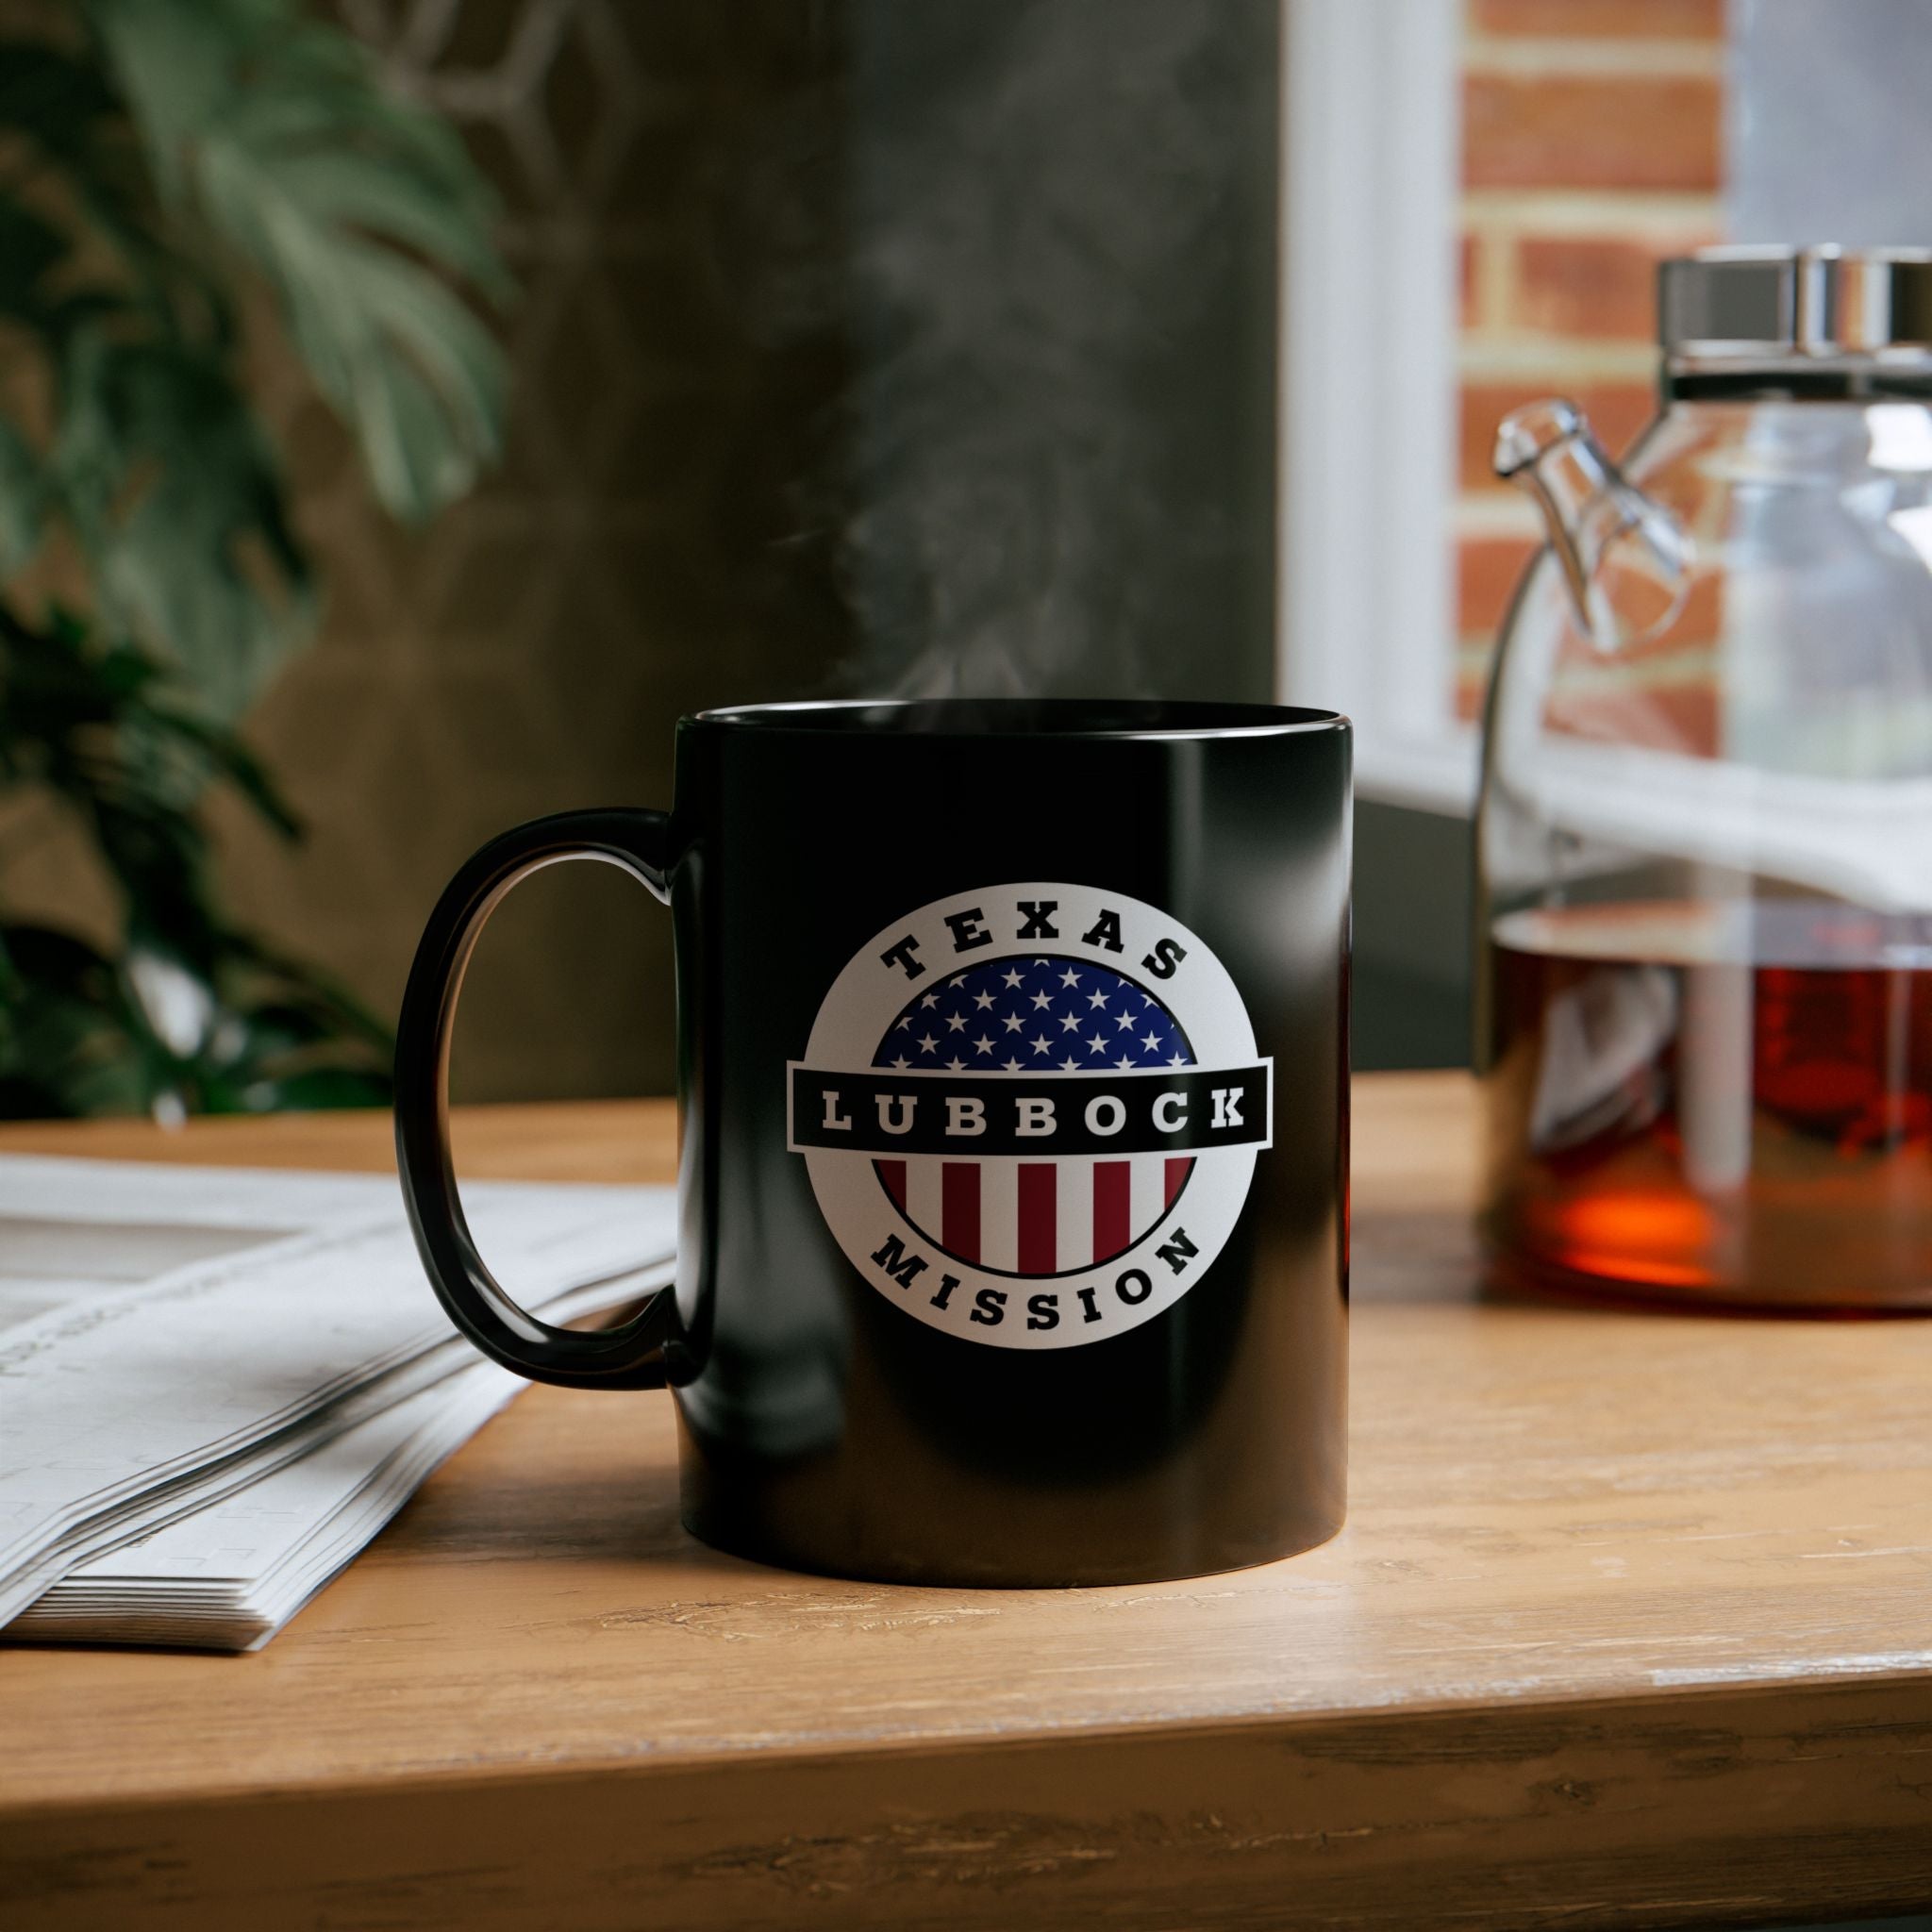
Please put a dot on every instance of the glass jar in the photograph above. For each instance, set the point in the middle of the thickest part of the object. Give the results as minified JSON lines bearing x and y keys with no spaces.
{"x":1704,"y":1020}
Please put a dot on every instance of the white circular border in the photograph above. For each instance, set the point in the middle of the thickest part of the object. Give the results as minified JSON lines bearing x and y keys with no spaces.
{"x":867,"y":996}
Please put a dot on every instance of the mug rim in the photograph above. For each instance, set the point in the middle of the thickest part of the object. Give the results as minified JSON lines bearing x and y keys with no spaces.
{"x":1024,"y":717}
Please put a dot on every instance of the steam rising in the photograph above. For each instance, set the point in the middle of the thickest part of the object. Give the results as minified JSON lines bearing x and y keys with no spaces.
{"x":1060,"y":421}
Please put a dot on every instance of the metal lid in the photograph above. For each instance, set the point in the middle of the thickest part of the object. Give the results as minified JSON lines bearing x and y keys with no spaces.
{"x":1776,"y":305}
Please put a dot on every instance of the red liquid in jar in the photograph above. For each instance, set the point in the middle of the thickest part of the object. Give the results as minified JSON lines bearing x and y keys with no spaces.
{"x":1713,"y":1103}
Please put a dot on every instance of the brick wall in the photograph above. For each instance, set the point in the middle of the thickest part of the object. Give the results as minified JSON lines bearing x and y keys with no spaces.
{"x":1591,"y":147}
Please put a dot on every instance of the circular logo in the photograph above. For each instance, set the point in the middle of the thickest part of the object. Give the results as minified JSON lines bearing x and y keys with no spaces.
{"x":1030,"y":1113}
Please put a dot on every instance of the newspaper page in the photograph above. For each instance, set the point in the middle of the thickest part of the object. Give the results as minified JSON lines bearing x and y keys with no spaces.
{"x":170,"y":1334}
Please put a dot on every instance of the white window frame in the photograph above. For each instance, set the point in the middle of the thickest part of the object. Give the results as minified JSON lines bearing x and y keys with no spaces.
{"x":1371,"y":160}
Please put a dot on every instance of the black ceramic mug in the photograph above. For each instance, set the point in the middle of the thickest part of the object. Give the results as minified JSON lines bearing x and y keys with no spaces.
{"x":1013,"y":1082}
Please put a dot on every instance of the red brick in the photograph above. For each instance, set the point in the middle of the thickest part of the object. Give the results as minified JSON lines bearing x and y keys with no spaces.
{"x":1640,"y":695}
{"x":1661,"y":19}
{"x":1689,"y":635}
{"x":1466,"y":272}
{"x":1677,"y":717}
{"x":1573,"y":130}
{"x":1701,"y":620}
{"x":1698,"y":625}
{"x":1617,"y":411}
{"x":1486,"y":571}
{"x":1595,"y":286}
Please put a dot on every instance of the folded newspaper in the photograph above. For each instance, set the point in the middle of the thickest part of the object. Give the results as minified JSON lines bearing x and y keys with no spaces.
{"x":217,"y":1384}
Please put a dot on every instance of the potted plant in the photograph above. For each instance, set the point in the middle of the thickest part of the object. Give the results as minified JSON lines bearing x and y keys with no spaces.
{"x":172,"y":171}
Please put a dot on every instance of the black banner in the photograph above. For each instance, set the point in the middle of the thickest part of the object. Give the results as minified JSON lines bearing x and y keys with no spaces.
{"x":1187,"y":1110}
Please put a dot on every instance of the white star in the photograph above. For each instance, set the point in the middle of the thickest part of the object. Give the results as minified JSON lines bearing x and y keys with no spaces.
{"x":1096,"y":999}
{"x":982,"y":1044}
{"x":1040,"y":999}
{"x":956,"y":1021}
{"x":956,"y":1066}
{"x":1124,"y":1063}
{"x":1125,"y":1019}
{"x":1041,"y":962}
{"x":1010,"y":1067}
{"x":1178,"y":1060}
{"x":932,"y":999}
{"x":1069,"y":977}
{"x":900,"y":1064}
{"x":1152,"y":1042}
{"x":1070,"y":1066}
{"x":1146,"y":999}
{"x":1011,"y":977}
{"x":1014,"y":1023}
{"x":1096,"y":1045}
{"x":1038,"y":1046}
{"x":1070,"y":1023}
{"x":982,"y":1000}
{"x":927,"y":1045}
{"x":903,"y":1024}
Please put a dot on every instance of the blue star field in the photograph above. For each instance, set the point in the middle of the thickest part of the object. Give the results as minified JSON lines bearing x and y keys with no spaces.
{"x":1036,"y":1015}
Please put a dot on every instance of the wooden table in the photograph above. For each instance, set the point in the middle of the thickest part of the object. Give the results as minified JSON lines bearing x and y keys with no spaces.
{"x":1631,"y":1626}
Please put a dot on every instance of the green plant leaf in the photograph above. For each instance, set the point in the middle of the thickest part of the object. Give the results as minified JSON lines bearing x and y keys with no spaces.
{"x":313,"y":1088}
{"x":175,"y":499}
{"x":29,"y":248}
{"x":227,"y":756}
{"x":65,"y":1048}
{"x":158,"y":150}
{"x":73,"y":130}
{"x":23,"y":500}
{"x":351,"y":201}
{"x":53,"y":97}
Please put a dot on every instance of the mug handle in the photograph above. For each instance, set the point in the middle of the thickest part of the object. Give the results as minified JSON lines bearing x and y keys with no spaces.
{"x":628,"y":1356}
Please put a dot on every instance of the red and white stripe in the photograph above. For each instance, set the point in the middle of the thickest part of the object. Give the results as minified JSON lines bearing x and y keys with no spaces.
{"x":1034,"y":1217}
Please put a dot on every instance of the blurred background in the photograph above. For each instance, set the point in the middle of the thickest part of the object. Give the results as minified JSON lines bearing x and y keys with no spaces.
{"x":1066,"y":347}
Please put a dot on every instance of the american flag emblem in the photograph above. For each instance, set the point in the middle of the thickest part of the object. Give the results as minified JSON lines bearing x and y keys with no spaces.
{"x":1044,"y":1015}
{"x":1030,"y":1113}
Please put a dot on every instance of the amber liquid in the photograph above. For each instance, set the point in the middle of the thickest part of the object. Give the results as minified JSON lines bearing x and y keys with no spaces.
{"x":1713,"y":1103}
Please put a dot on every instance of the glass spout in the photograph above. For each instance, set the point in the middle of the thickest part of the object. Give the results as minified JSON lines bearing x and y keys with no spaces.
{"x":1626,"y":559}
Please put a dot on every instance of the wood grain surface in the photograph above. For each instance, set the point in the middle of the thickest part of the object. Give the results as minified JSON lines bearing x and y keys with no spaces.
{"x":1630,"y":1625}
